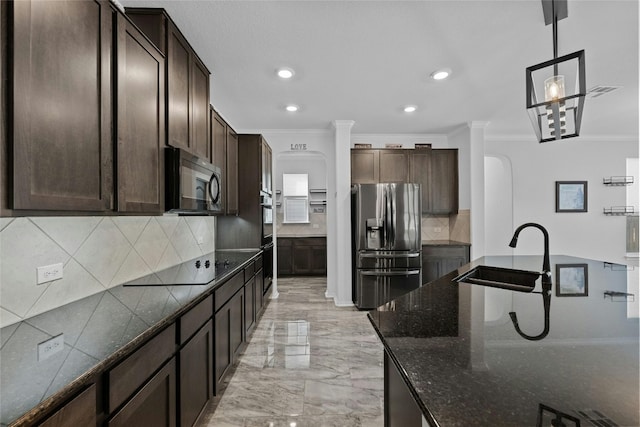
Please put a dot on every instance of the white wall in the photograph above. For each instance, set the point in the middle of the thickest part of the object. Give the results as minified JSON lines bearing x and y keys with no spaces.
{"x":498,"y":196}
{"x":536,"y":167}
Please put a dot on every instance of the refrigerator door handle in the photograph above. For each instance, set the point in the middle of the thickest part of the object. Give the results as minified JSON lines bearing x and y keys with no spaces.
{"x":410,"y":255}
{"x":389,"y":273}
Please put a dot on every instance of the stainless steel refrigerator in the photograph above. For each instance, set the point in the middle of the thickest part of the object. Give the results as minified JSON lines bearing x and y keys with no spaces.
{"x":386,"y":242}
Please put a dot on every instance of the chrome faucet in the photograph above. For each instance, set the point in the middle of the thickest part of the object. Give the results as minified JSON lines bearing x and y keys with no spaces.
{"x":546,"y":282}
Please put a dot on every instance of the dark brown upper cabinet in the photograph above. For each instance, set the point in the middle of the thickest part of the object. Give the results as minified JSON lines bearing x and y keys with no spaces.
{"x":224,"y":142}
{"x":140,"y":128}
{"x":420,"y":172}
{"x":267,"y":173}
{"x":62,"y":135}
{"x":394,"y":165}
{"x":435,"y":170}
{"x":187,"y":88}
{"x":443,"y":197}
{"x":365,"y":166}
{"x":379,"y":165}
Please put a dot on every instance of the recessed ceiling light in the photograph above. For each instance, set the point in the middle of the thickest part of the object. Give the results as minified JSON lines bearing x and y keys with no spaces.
{"x":441,"y":74}
{"x":285,"y":73}
{"x":410,"y":108}
{"x":292,"y":108}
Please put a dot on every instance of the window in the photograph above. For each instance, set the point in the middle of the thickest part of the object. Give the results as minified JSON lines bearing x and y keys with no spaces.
{"x":295,"y":191}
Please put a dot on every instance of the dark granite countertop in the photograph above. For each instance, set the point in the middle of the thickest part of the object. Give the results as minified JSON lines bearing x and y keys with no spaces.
{"x":466,"y":366}
{"x":444,"y":243}
{"x":98,"y":331}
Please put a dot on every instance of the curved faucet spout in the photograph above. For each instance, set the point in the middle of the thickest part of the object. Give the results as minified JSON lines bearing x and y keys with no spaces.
{"x":546,"y":264}
{"x":546,"y":282}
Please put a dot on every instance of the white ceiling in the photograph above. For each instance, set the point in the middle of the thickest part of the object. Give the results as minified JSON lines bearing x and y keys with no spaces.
{"x":365,"y":60}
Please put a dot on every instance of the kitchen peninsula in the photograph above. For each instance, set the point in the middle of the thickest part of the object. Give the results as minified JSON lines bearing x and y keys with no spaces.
{"x":454,"y":358}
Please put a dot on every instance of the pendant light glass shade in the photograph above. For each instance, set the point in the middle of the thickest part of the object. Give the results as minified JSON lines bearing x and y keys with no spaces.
{"x":556,"y":90}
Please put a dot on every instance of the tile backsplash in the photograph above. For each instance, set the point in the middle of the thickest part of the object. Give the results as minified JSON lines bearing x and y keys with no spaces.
{"x":97,"y":253}
{"x":317,"y":226}
{"x":440,"y":227}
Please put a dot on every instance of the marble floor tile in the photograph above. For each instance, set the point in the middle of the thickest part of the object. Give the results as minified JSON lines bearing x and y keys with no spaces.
{"x":308,"y":363}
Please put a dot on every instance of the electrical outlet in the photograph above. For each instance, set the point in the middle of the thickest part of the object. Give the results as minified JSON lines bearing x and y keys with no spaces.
{"x":200,"y":240}
{"x":50,"y":347}
{"x":315,"y":225}
{"x":437,"y":229}
{"x":48,"y":273}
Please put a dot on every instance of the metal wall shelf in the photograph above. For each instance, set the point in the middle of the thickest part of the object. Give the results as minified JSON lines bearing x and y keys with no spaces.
{"x":619,"y":210}
{"x":618,"y":180}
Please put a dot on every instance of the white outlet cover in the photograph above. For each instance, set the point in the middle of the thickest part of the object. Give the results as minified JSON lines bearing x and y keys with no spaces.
{"x":48,"y":273}
{"x":50,"y":347}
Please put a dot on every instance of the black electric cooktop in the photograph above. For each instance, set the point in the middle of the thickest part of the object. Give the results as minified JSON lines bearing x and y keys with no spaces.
{"x":197,"y":271}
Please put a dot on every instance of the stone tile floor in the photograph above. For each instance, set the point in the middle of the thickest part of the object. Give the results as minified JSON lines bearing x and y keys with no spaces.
{"x":308,"y":363}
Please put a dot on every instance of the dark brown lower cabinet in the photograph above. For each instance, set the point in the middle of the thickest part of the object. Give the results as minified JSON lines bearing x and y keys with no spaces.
{"x":80,"y":411}
{"x":302,"y":256}
{"x":400,"y":409}
{"x":440,"y":260}
{"x":154,"y":404}
{"x":229,"y":336}
{"x":196,"y":375}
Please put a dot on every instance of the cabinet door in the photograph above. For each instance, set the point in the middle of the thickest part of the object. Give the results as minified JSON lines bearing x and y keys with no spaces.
{"x":302,"y":259}
{"x":319,"y":260}
{"x":62,"y":113}
{"x":153,"y":405}
{"x":394,"y":165}
{"x":196,"y":374}
{"x":81,"y":411}
{"x":285,"y":257}
{"x":141,"y":131}
{"x":259,"y":292}
{"x":365,"y":166}
{"x":178,"y":88}
{"x":236,"y":324}
{"x":265,"y":157}
{"x":219,"y":142}
{"x":249,"y":305}
{"x":222,"y":348}
{"x":232,"y":172}
{"x":199,"y":109}
{"x":420,"y":172}
{"x":444,"y":182}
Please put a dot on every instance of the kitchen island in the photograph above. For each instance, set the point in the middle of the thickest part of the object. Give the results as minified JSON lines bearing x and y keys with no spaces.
{"x":454,"y":358}
{"x":52,"y":357}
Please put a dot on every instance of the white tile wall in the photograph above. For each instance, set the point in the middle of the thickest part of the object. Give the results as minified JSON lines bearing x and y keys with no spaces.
{"x":97,"y":252}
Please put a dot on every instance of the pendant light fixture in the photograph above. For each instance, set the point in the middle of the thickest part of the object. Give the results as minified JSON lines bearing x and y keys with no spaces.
{"x":560,"y":83}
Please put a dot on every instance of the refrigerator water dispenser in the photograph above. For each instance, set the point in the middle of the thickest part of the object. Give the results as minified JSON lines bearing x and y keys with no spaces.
{"x":375,"y":233}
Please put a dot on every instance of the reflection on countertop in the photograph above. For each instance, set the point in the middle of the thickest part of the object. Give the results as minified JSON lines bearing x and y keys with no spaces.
{"x":97,"y":331}
{"x":468,"y":366}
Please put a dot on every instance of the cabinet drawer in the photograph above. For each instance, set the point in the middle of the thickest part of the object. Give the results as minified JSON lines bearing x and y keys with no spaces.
{"x":226,"y":291}
{"x":190,"y":322}
{"x":249,"y":271}
{"x":131,"y":373}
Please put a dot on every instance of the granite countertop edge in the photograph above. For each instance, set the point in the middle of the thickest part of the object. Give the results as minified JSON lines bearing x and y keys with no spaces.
{"x":444,"y":243}
{"x":85,"y":379}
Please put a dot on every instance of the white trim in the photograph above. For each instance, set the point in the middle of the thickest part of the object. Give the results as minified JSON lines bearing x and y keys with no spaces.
{"x":343,"y":304}
{"x":590,"y":138}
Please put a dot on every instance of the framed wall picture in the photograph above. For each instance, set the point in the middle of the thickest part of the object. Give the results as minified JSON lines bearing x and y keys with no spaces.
{"x":571,"y":196}
{"x":572,"y":280}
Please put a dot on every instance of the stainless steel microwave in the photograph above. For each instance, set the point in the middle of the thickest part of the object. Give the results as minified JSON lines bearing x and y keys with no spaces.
{"x":192,"y":184}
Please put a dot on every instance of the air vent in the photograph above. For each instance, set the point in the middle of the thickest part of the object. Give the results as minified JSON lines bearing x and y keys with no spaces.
{"x":598,"y":91}
{"x":596,"y":418}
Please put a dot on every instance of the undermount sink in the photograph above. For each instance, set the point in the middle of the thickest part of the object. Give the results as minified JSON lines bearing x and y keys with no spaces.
{"x":497,"y":277}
